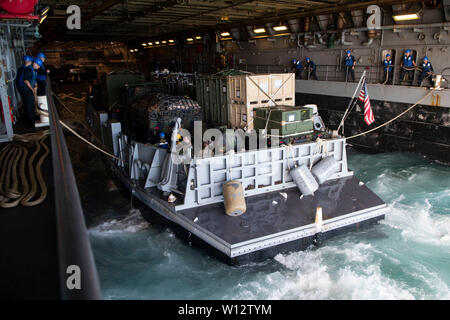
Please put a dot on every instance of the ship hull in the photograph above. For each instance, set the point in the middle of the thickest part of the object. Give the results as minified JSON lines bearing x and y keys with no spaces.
{"x":424,"y":130}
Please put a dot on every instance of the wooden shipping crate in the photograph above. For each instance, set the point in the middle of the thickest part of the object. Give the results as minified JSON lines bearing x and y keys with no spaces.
{"x":247,"y":92}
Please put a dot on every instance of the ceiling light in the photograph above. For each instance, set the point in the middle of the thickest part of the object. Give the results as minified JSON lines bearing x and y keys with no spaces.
{"x":407,"y":16}
{"x":189,"y":39}
{"x":131,"y":50}
{"x":225,"y":34}
{"x":198,"y":37}
{"x":171,"y":41}
{"x":156,"y":42}
{"x":164,"y":41}
{"x":144,"y":44}
{"x":259,"y":30}
{"x":150,"y":43}
{"x":280,"y":28}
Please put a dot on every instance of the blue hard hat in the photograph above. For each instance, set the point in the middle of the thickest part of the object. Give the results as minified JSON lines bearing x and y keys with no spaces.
{"x":348,"y":51}
{"x":388,"y":55}
{"x":408,"y":51}
{"x":307,"y":59}
{"x":27,"y":58}
{"x":38,"y":62}
{"x":425,"y":58}
{"x":162,"y":135}
{"x":41,"y":55}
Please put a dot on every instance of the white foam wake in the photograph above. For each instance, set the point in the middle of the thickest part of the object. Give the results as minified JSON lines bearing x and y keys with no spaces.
{"x":134,"y":222}
{"x":417,"y":223}
{"x":345,"y":271}
{"x":358,"y":277}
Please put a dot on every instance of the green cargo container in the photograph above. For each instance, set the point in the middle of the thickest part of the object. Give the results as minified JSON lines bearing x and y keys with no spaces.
{"x":212,"y":96}
{"x":112,"y":86}
{"x":289,"y":120}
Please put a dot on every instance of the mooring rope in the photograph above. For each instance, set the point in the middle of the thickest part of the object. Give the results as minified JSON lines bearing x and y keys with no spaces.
{"x":393,"y":119}
{"x":13,"y":160}
{"x":26,"y":200}
{"x":81,"y":138}
{"x":88,"y":142}
{"x":344,"y":117}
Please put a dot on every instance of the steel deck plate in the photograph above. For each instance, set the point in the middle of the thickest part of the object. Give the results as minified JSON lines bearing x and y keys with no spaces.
{"x":271,"y":213}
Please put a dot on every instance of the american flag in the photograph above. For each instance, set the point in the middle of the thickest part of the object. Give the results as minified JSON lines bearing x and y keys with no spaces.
{"x":364,"y":97}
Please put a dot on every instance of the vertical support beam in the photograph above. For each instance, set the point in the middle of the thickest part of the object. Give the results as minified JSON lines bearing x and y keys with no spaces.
{"x":8,"y":134}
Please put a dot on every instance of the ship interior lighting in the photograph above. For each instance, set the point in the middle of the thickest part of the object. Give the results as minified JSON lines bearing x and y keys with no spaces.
{"x":280,"y":28}
{"x":406,"y":16}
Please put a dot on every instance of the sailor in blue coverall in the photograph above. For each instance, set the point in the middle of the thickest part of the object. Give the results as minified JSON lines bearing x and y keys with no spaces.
{"x":298,"y":68}
{"x":388,"y":67}
{"x":427,"y":72}
{"x":26,"y":85}
{"x":407,"y":66}
{"x":350,"y":62}
{"x":20,"y":84}
{"x":310,"y":67}
{"x":41,"y":76}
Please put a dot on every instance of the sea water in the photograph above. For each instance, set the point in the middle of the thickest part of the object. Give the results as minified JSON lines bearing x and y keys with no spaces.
{"x":405,"y":256}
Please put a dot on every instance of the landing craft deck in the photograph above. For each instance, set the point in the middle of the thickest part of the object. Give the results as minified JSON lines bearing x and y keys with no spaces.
{"x":278,"y":217}
{"x":272,"y":223}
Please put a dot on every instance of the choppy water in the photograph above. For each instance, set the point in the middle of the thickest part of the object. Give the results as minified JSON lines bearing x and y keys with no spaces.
{"x":407,"y":256}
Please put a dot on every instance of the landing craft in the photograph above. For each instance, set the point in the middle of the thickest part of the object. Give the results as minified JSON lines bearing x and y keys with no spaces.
{"x":282,"y":186}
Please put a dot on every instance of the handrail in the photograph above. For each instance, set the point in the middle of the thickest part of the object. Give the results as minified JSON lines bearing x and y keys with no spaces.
{"x":74,"y":250}
{"x":327,"y":72}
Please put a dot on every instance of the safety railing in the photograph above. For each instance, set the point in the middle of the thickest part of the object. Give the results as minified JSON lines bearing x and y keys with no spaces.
{"x":374,"y":74}
{"x":77,"y":271}
{"x":264,"y":68}
{"x":341,"y":73}
{"x":323,"y":72}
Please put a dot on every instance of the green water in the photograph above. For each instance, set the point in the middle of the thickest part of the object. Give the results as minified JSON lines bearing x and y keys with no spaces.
{"x":406,"y":256}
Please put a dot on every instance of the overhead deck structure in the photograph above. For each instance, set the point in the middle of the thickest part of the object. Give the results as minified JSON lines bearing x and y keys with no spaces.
{"x":116,"y":20}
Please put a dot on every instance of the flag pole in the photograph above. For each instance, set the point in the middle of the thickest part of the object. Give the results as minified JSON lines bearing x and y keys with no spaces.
{"x":341,"y":124}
